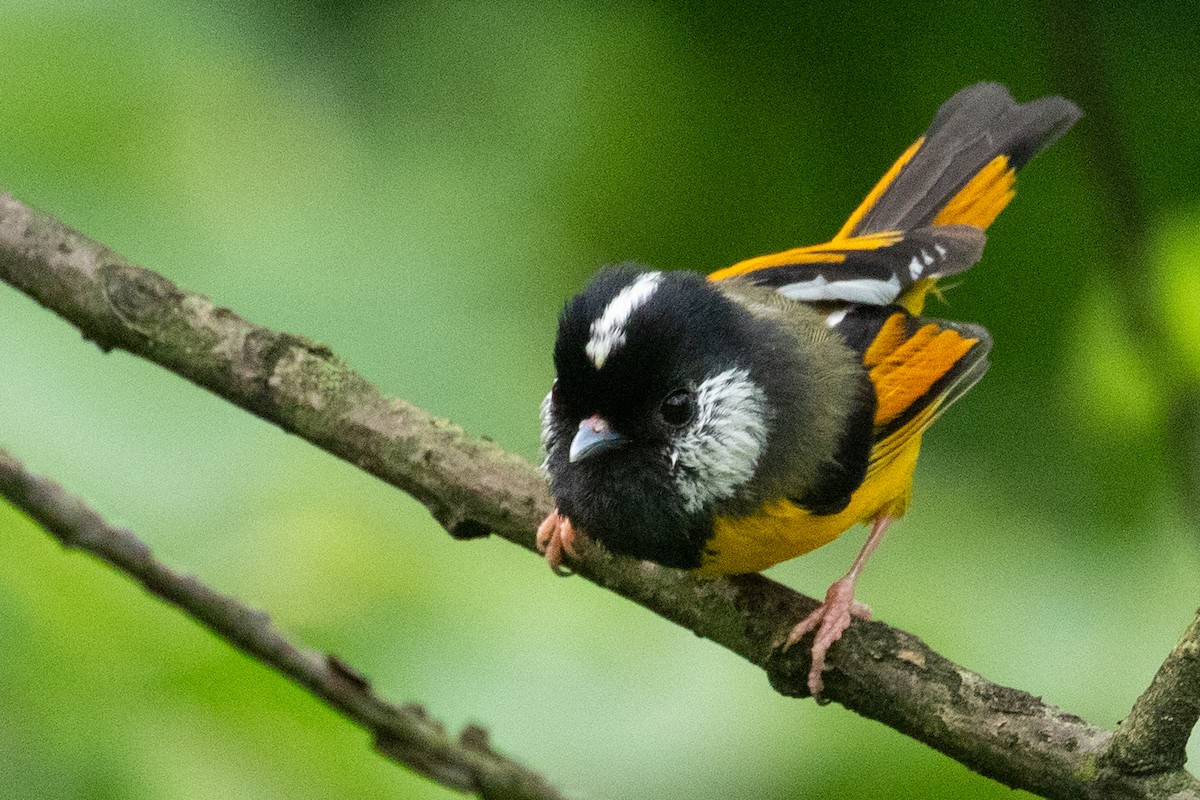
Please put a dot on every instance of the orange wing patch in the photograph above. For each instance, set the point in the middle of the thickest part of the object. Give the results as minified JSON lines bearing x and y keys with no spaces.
{"x":833,"y":252}
{"x":983,"y":198}
{"x":888,"y":340}
{"x":905,"y":367}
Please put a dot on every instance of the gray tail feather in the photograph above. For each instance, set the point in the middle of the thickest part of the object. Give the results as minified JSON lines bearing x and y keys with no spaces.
{"x":974,"y":126}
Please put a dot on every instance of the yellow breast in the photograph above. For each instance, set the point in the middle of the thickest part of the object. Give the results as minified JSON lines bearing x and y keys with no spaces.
{"x":782,"y":530}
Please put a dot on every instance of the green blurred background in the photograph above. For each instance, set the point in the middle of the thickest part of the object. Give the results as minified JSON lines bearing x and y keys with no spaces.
{"x":421,"y":187}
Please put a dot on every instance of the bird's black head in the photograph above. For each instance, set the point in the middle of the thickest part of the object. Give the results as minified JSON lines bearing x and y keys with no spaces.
{"x":658,"y":414}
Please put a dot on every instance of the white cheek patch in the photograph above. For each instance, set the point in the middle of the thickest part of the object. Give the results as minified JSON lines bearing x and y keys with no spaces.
{"x":720,"y":450}
{"x":608,"y":330}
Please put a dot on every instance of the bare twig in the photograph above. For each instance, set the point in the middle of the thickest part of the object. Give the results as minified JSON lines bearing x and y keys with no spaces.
{"x":473,"y":487}
{"x":403,"y":733}
{"x":1154,"y":736}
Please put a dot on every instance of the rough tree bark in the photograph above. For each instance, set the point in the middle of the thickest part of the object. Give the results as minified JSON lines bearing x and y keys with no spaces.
{"x":473,"y":488}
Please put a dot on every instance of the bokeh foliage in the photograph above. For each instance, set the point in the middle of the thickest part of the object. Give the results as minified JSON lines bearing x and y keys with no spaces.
{"x":421,"y":186}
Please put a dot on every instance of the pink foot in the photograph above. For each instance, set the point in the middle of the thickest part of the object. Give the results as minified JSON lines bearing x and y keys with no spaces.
{"x":830,"y":621}
{"x":555,"y":536}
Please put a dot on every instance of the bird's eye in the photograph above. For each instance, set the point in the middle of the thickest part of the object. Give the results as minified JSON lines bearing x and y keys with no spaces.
{"x":678,"y":408}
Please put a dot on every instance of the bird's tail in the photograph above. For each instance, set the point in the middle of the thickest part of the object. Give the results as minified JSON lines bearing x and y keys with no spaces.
{"x":963,"y":169}
{"x":925,"y":218}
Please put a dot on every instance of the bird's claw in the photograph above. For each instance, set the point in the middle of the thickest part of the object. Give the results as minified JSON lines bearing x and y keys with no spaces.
{"x":830,"y":620}
{"x":556,"y":536}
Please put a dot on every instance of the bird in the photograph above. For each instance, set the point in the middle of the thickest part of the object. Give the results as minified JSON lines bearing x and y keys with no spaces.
{"x":726,"y":424}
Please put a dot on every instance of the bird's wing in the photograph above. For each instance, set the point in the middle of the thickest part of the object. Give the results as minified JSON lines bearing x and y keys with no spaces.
{"x":877,"y":268}
{"x":926,"y":216}
{"x":918,"y":367}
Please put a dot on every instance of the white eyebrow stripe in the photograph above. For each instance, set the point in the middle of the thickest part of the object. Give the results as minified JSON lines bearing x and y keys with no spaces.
{"x":608,"y":330}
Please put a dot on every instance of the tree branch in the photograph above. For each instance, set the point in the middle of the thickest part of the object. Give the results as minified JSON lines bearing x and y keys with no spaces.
{"x":403,"y":733}
{"x":1154,"y":737}
{"x":473,"y":487}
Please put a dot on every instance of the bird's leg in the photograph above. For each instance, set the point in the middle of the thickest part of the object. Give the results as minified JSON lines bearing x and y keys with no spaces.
{"x":832,"y":617}
{"x":555,"y":536}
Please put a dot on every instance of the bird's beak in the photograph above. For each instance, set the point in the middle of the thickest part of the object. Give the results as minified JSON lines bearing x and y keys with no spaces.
{"x":595,"y":436}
